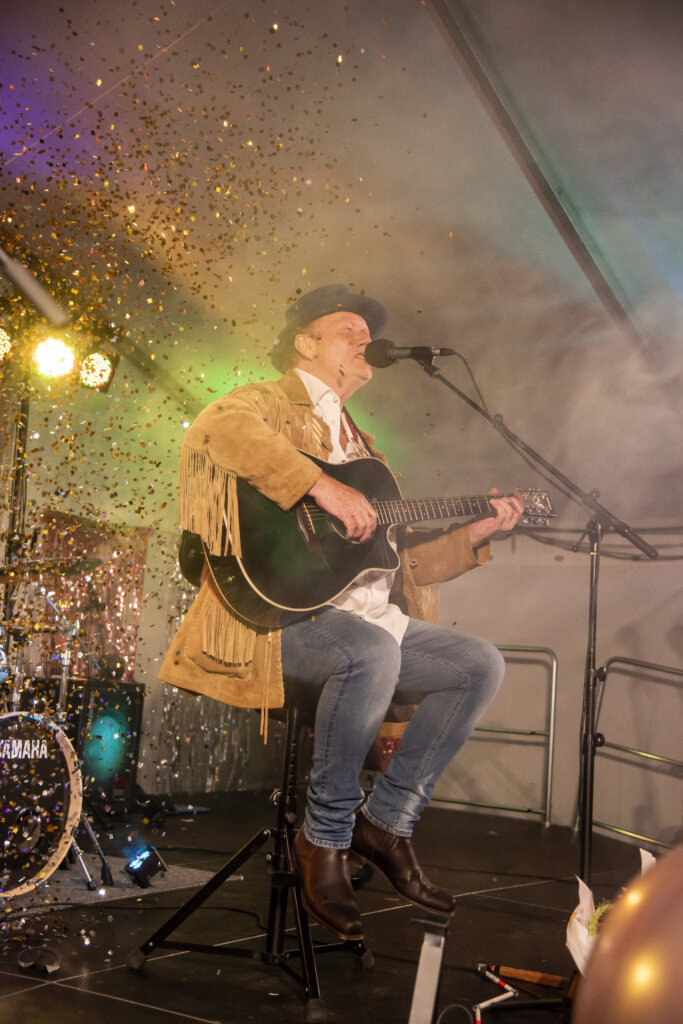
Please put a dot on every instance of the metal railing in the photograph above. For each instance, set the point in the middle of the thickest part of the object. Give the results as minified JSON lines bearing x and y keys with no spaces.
{"x":648,"y":755}
{"x":546,"y":734}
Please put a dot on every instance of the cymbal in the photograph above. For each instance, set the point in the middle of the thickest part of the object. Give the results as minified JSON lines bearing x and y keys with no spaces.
{"x":21,"y":572}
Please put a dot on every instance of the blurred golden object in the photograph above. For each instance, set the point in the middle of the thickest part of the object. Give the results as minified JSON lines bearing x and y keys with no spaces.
{"x":16,"y":627}
{"x":31,"y":572}
{"x":632,"y":976}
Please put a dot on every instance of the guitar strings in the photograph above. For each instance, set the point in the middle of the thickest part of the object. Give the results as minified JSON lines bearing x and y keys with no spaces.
{"x":410,"y":510}
{"x":404,"y":510}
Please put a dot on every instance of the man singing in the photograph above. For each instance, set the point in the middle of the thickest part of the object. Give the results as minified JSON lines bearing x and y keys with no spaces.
{"x":373,"y":643}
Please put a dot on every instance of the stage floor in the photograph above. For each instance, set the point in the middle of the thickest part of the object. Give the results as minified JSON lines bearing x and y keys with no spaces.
{"x":516,"y":882}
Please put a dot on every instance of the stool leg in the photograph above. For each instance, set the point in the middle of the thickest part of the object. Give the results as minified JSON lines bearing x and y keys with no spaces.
{"x":282,"y":869}
{"x":160,"y":936}
{"x":284,"y":878}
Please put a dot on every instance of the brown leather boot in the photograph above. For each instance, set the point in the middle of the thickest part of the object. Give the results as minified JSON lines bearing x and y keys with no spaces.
{"x":395,"y":858}
{"x":326,"y":887}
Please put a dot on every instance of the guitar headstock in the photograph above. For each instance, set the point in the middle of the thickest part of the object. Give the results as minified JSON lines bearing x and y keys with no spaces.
{"x":538,"y":509}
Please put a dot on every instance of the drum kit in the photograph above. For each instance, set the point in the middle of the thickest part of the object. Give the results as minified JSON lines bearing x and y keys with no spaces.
{"x":41,"y":786}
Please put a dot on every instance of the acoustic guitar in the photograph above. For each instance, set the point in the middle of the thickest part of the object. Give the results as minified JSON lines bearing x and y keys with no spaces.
{"x":295,"y":561}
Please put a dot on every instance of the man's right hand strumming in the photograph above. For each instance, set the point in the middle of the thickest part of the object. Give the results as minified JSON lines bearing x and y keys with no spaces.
{"x":346,"y":504}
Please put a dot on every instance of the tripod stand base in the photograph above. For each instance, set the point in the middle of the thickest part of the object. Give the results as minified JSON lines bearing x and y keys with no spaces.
{"x":283,"y":879}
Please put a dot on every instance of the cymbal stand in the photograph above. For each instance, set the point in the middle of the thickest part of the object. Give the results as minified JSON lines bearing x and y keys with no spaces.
{"x":17,"y":683}
{"x":14,"y":673}
{"x":70,"y":631}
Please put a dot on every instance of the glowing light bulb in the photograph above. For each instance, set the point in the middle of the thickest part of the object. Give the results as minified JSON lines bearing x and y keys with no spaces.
{"x":54,"y":358}
{"x":96,"y":370}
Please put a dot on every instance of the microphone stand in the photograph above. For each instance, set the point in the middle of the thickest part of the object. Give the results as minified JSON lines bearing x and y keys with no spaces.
{"x":601,"y":520}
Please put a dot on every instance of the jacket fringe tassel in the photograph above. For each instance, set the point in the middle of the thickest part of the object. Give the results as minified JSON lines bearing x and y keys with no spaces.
{"x":208,"y":503}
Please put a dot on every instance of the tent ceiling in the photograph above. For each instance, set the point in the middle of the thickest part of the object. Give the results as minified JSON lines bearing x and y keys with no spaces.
{"x":184,"y":168}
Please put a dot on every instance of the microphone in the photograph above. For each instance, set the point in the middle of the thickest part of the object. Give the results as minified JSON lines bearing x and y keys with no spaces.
{"x":382,"y":353}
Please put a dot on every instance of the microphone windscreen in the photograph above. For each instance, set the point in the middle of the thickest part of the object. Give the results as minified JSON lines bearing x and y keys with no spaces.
{"x":377,"y":353}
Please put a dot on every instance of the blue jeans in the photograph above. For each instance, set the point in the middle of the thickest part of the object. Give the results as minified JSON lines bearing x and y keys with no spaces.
{"x":360,"y":669}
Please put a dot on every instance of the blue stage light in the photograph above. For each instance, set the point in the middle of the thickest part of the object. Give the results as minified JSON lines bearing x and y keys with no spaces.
{"x":144,"y":865}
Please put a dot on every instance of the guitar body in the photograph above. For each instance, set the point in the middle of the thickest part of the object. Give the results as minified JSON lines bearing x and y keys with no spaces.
{"x":296,"y":561}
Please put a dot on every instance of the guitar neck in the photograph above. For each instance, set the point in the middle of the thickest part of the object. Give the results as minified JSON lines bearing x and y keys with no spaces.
{"x":415,"y":510}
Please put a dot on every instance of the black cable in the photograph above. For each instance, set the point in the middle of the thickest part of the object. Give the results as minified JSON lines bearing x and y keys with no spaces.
{"x":542,"y":537}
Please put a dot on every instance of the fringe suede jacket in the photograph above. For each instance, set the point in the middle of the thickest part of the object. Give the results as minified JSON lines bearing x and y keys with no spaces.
{"x":259,"y":432}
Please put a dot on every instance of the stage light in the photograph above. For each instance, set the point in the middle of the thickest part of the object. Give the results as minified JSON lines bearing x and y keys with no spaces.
{"x":145,"y":865}
{"x":5,"y":344}
{"x":54,"y":358}
{"x":97,"y":370}
{"x":105,"y":747}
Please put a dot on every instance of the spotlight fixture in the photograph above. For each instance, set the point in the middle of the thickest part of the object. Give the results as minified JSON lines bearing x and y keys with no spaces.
{"x":97,"y":370}
{"x":145,"y":865}
{"x":54,"y":358}
{"x":5,"y":344}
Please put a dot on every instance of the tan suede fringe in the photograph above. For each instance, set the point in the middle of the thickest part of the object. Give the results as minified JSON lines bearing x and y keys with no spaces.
{"x":208,"y":503}
{"x":225,"y":638}
{"x":267,"y":664}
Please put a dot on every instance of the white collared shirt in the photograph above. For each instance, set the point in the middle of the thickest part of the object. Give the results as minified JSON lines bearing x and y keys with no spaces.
{"x":368,"y":597}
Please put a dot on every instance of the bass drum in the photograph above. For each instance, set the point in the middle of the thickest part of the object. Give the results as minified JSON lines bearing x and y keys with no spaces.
{"x":41,"y":793}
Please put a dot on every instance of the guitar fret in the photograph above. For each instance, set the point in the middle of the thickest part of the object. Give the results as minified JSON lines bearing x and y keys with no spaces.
{"x":411,"y":510}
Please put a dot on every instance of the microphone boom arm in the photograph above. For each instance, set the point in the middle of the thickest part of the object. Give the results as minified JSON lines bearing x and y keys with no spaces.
{"x":587,"y":500}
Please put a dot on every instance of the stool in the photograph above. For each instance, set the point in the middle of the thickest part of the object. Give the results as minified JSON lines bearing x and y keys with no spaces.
{"x":283,"y":881}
